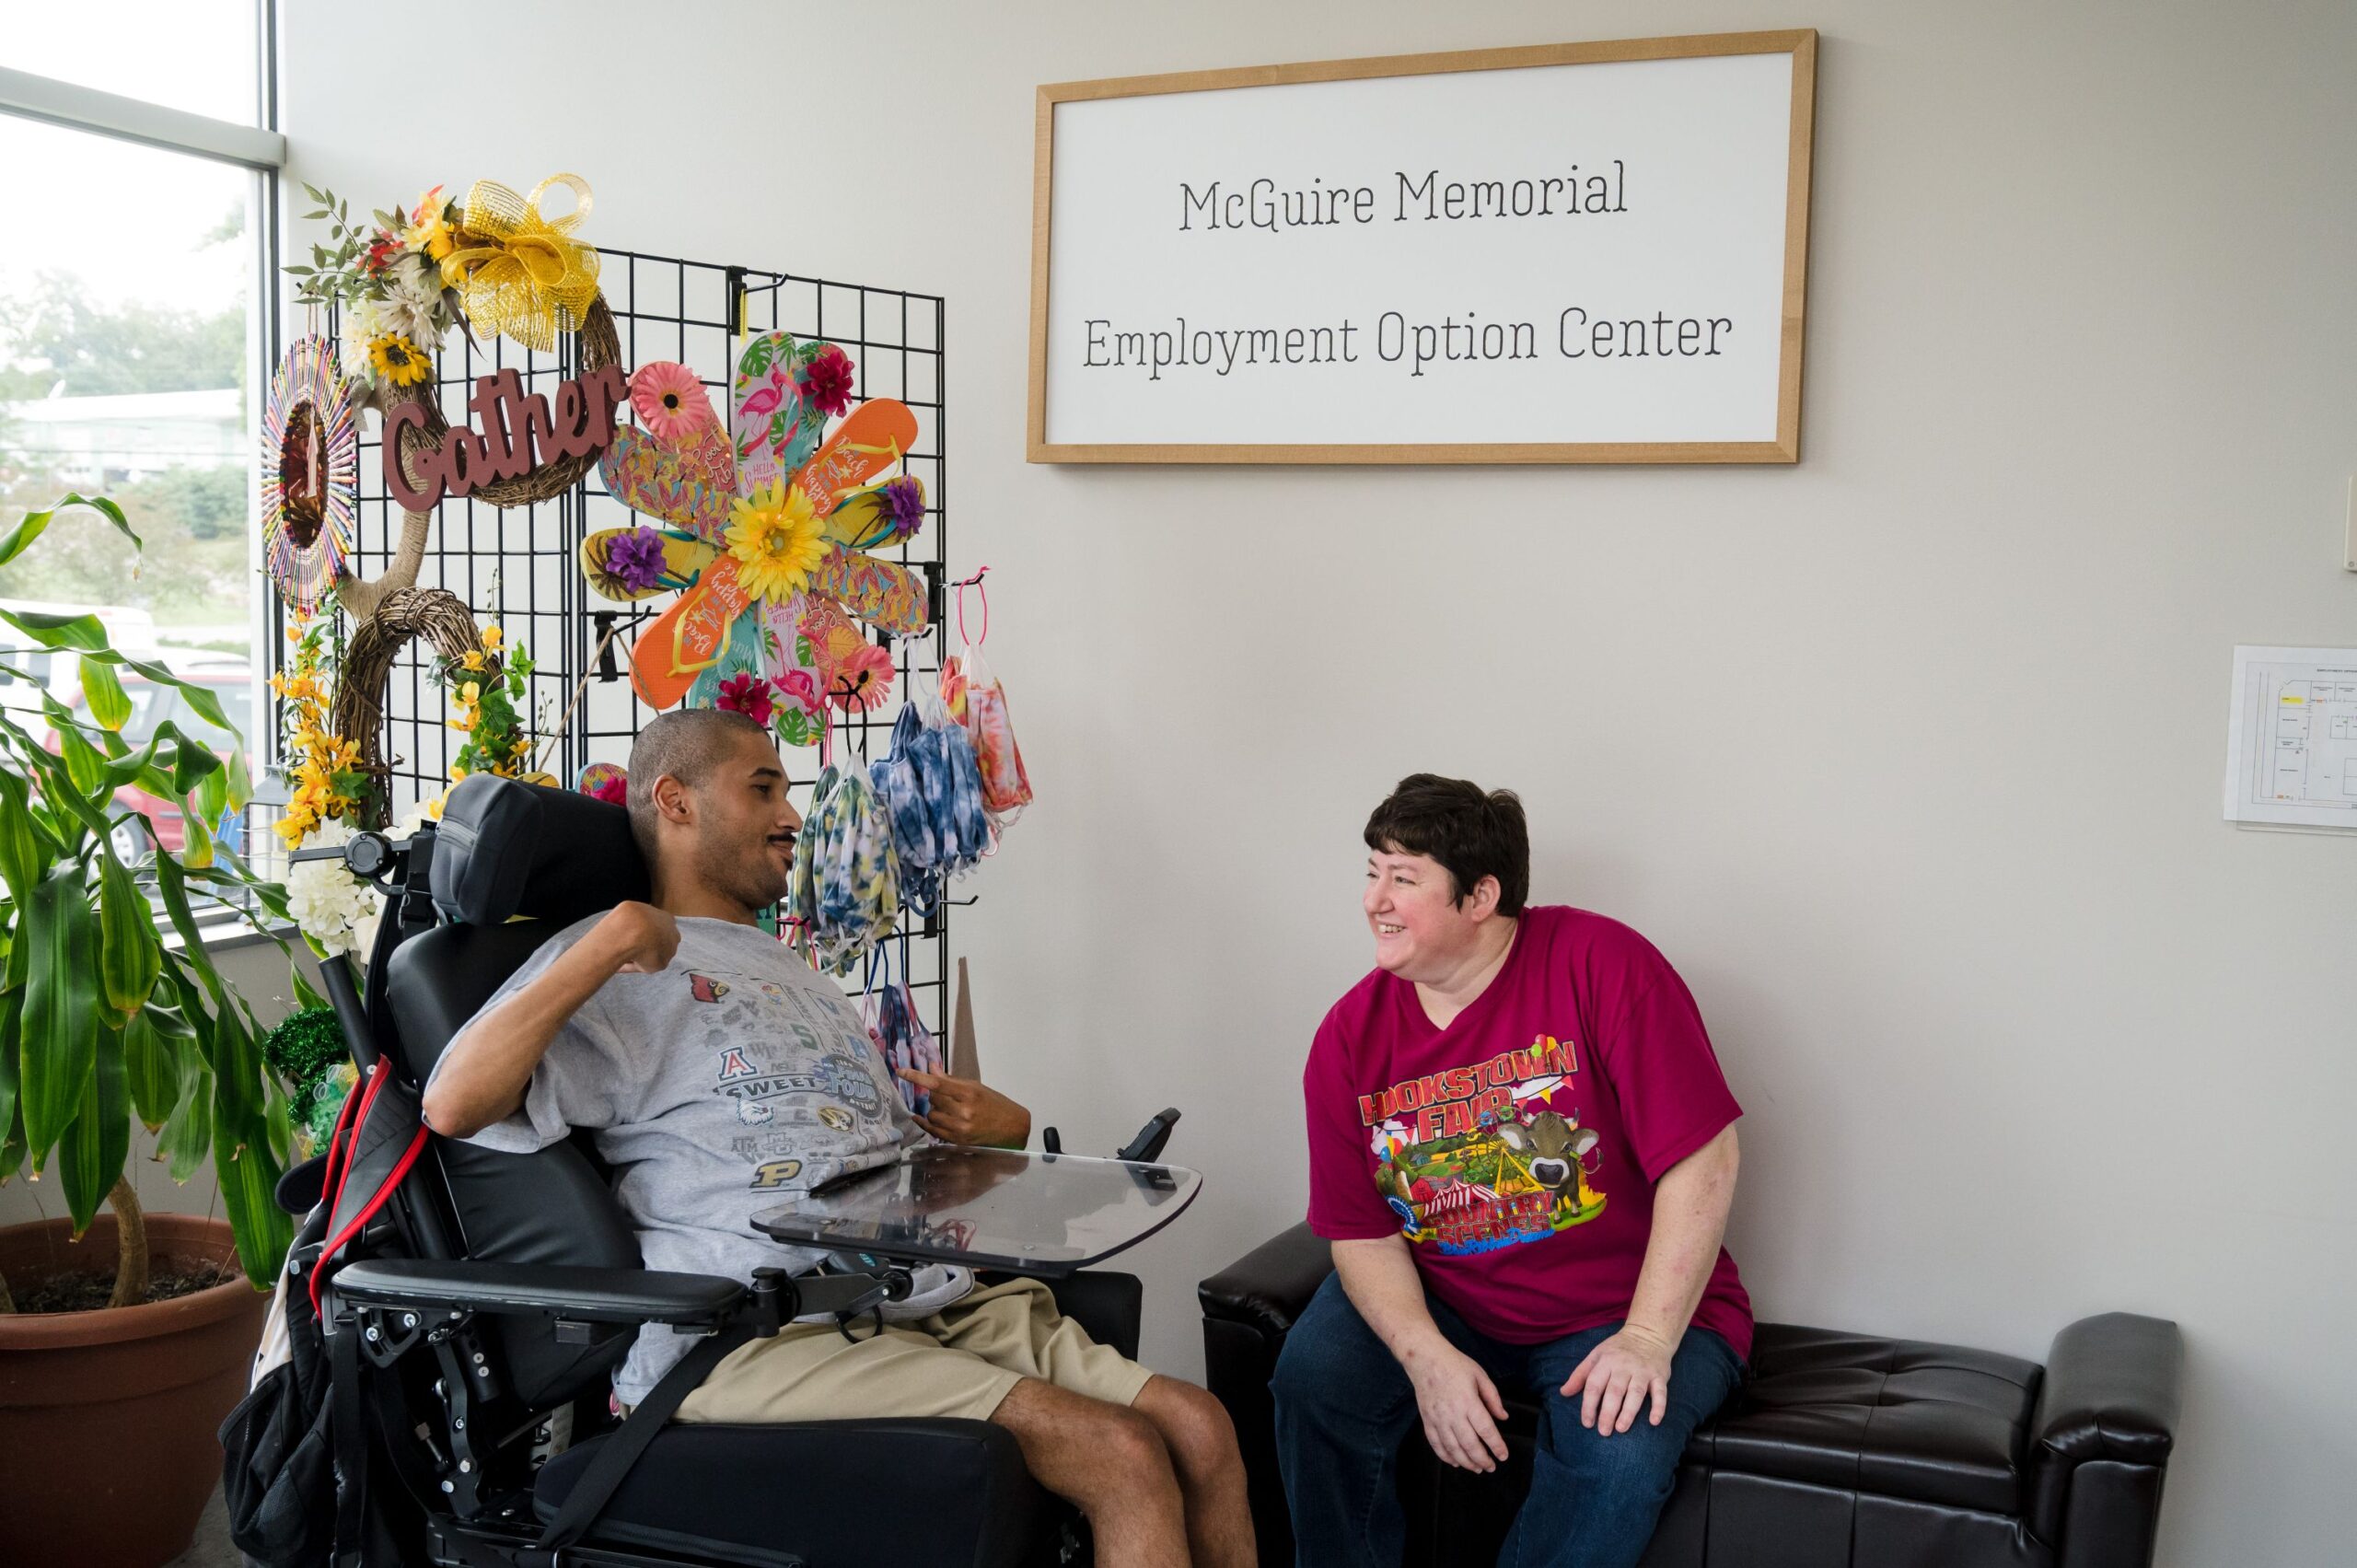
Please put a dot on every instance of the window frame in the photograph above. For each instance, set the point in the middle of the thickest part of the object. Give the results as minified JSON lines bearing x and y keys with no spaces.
{"x":261,"y":149}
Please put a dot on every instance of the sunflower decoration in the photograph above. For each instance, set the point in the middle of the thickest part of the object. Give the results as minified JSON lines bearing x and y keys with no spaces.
{"x":397,"y":361}
{"x":770,"y":521}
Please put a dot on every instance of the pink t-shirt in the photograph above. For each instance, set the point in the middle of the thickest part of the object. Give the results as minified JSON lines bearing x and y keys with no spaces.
{"x":1517,"y":1149}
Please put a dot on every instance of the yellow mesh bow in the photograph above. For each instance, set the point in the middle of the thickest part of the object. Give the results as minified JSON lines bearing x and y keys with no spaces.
{"x":522,"y":276}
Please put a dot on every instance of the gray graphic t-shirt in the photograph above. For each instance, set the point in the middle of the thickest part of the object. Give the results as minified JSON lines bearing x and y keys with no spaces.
{"x":717,"y":1089}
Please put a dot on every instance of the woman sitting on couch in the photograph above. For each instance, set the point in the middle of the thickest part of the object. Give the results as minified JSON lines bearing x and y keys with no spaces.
{"x":1523,"y":1150}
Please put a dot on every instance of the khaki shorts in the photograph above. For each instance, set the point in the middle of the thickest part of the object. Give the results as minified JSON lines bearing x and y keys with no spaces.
{"x":958,"y":1363}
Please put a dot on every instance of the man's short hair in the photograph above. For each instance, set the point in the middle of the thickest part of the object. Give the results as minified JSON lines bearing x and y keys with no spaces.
{"x":686,"y":743}
{"x":1471,"y":832}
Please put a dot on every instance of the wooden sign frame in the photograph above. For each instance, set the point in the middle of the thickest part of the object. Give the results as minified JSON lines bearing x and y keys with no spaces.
{"x":1785,"y":448}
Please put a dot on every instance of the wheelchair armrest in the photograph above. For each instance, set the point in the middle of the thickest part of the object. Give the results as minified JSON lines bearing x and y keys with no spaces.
{"x":1104,"y":1302}
{"x":589,"y":1295}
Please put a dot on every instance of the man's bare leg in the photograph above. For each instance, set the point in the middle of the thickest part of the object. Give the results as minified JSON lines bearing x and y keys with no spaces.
{"x":1201,"y":1439}
{"x":1107,"y":1461}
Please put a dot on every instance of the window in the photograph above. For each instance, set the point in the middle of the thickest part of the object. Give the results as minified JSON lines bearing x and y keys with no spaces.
{"x":137,"y":334}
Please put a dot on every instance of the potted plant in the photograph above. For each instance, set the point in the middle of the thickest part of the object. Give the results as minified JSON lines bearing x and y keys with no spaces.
{"x":108,"y":1415}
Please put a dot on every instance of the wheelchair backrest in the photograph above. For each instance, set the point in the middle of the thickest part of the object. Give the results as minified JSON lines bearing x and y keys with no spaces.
{"x":508,"y":850}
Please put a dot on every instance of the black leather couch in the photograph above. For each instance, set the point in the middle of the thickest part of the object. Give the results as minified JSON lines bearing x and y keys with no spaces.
{"x":1842,"y":1449}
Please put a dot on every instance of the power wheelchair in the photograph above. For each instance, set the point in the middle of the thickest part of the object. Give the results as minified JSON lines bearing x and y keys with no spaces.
{"x":477,"y":1305}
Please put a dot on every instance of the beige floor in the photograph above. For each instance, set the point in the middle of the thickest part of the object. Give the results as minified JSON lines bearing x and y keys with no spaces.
{"x":211,"y":1548}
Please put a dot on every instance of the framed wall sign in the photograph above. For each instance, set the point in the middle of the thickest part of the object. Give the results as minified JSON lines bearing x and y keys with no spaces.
{"x":1593,"y":252}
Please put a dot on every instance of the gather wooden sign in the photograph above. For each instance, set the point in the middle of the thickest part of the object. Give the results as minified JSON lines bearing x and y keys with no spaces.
{"x":515,"y":434}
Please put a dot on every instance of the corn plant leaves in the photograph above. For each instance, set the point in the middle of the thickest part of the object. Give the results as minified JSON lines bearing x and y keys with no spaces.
{"x":248,"y":1173}
{"x":152,"y":1066}
{"x":11,"y":1018}
{"x":130,"y":956}
{"x":91,"y":1152}
{"x":83,"y":764}
{"x":102,"y":689}
{"x":34,"y":524}
{"x":23,"y":857}
{"x":61,"y":1021}
{"x":187,"y":1132}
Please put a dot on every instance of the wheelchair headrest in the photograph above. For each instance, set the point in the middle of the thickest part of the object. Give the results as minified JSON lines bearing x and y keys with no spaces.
{"x":508,"y":848}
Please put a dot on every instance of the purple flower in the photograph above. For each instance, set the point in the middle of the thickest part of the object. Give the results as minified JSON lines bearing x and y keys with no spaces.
{"x":636,"y":559}
{"x":904,"y":505}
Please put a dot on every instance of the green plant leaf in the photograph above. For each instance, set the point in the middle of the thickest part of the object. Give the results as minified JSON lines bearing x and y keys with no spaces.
{"x":212,"y":797}
{"x":102,"y":689}
{"x":12,"y":1017}
{"x":151,"y":1064}
{"x":188,"y":1134}
{"x":239,"y":773}
{"x":12,"y":1148}
{"x":196,"y":840}
{"x":84,"y":765}
{"x":201,"y":700}
{"x":23,"y":856}
{"x":91,"y":1152}
{"x":84,"y":633}
{"x":33,"y":524}
{"x":129,"y":957}
{"x":249,"y":1174}
{"x":61,"y":1023}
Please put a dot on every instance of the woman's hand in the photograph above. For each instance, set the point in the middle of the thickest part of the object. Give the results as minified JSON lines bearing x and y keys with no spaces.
{"x":1460,"y":1407}
{"x":1619,"y":1377}
{"x":964,"y":1111}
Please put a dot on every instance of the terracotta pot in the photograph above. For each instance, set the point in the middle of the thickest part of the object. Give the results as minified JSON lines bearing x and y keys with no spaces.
{"x":110,"y":1420}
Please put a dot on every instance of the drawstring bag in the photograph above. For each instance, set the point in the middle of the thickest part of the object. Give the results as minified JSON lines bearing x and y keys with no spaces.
{"x":977,"y":701}
{"x":898,"y":1033}
{"x":845,"y":888}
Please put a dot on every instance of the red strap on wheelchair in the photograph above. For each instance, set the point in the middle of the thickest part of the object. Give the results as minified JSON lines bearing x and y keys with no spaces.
{"x":355,"y":1100}
{"x":377,"y":1077}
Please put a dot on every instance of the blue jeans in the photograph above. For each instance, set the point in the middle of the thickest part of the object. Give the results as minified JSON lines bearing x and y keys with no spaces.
{"x":1344,"y":1404}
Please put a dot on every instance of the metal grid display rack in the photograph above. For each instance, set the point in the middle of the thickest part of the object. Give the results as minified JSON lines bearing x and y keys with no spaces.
{"x":519,"y":566}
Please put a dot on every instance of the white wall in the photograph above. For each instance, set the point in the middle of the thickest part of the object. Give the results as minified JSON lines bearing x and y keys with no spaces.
{"x":1908,"y":756}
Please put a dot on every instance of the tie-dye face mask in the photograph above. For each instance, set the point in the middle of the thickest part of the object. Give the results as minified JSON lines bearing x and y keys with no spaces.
{"x":977,"y":701}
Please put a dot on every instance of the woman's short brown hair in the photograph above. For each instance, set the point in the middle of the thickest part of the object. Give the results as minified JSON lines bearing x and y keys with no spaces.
{"x":1473,"y":832}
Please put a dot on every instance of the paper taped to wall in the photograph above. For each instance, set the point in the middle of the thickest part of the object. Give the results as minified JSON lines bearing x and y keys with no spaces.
{"x":2291,"y":738}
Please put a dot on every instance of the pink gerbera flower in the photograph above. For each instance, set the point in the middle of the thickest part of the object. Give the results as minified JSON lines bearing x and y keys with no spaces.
{"x":861,"y":677}
{"x":671,"y":401}
{"x":825,"y":382}
{"x":748,"y":695}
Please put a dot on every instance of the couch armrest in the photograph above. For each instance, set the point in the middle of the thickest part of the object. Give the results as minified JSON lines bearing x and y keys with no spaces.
{"x":2108,"y":1404}
{"x":1249,"y":1307}
{"x":1270,"y":1285}
{"x":548,"y":1290}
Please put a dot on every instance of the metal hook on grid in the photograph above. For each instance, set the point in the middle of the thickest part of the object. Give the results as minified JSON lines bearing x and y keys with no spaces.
{"x":974,"y":582}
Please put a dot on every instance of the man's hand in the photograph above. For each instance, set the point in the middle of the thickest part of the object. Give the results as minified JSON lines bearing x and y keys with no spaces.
{"x":639,"y":937}
{"x":1619,"y":1377}
{"x":1460,"y":1407}
{"x":964,"y":1111}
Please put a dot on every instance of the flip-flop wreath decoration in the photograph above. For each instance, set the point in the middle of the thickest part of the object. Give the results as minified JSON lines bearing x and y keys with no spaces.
{"x":771,"y":526}
{"x":310,"y":475}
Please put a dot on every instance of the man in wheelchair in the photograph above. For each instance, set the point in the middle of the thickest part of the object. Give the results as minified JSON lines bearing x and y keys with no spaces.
{"x":720,"y":1075}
